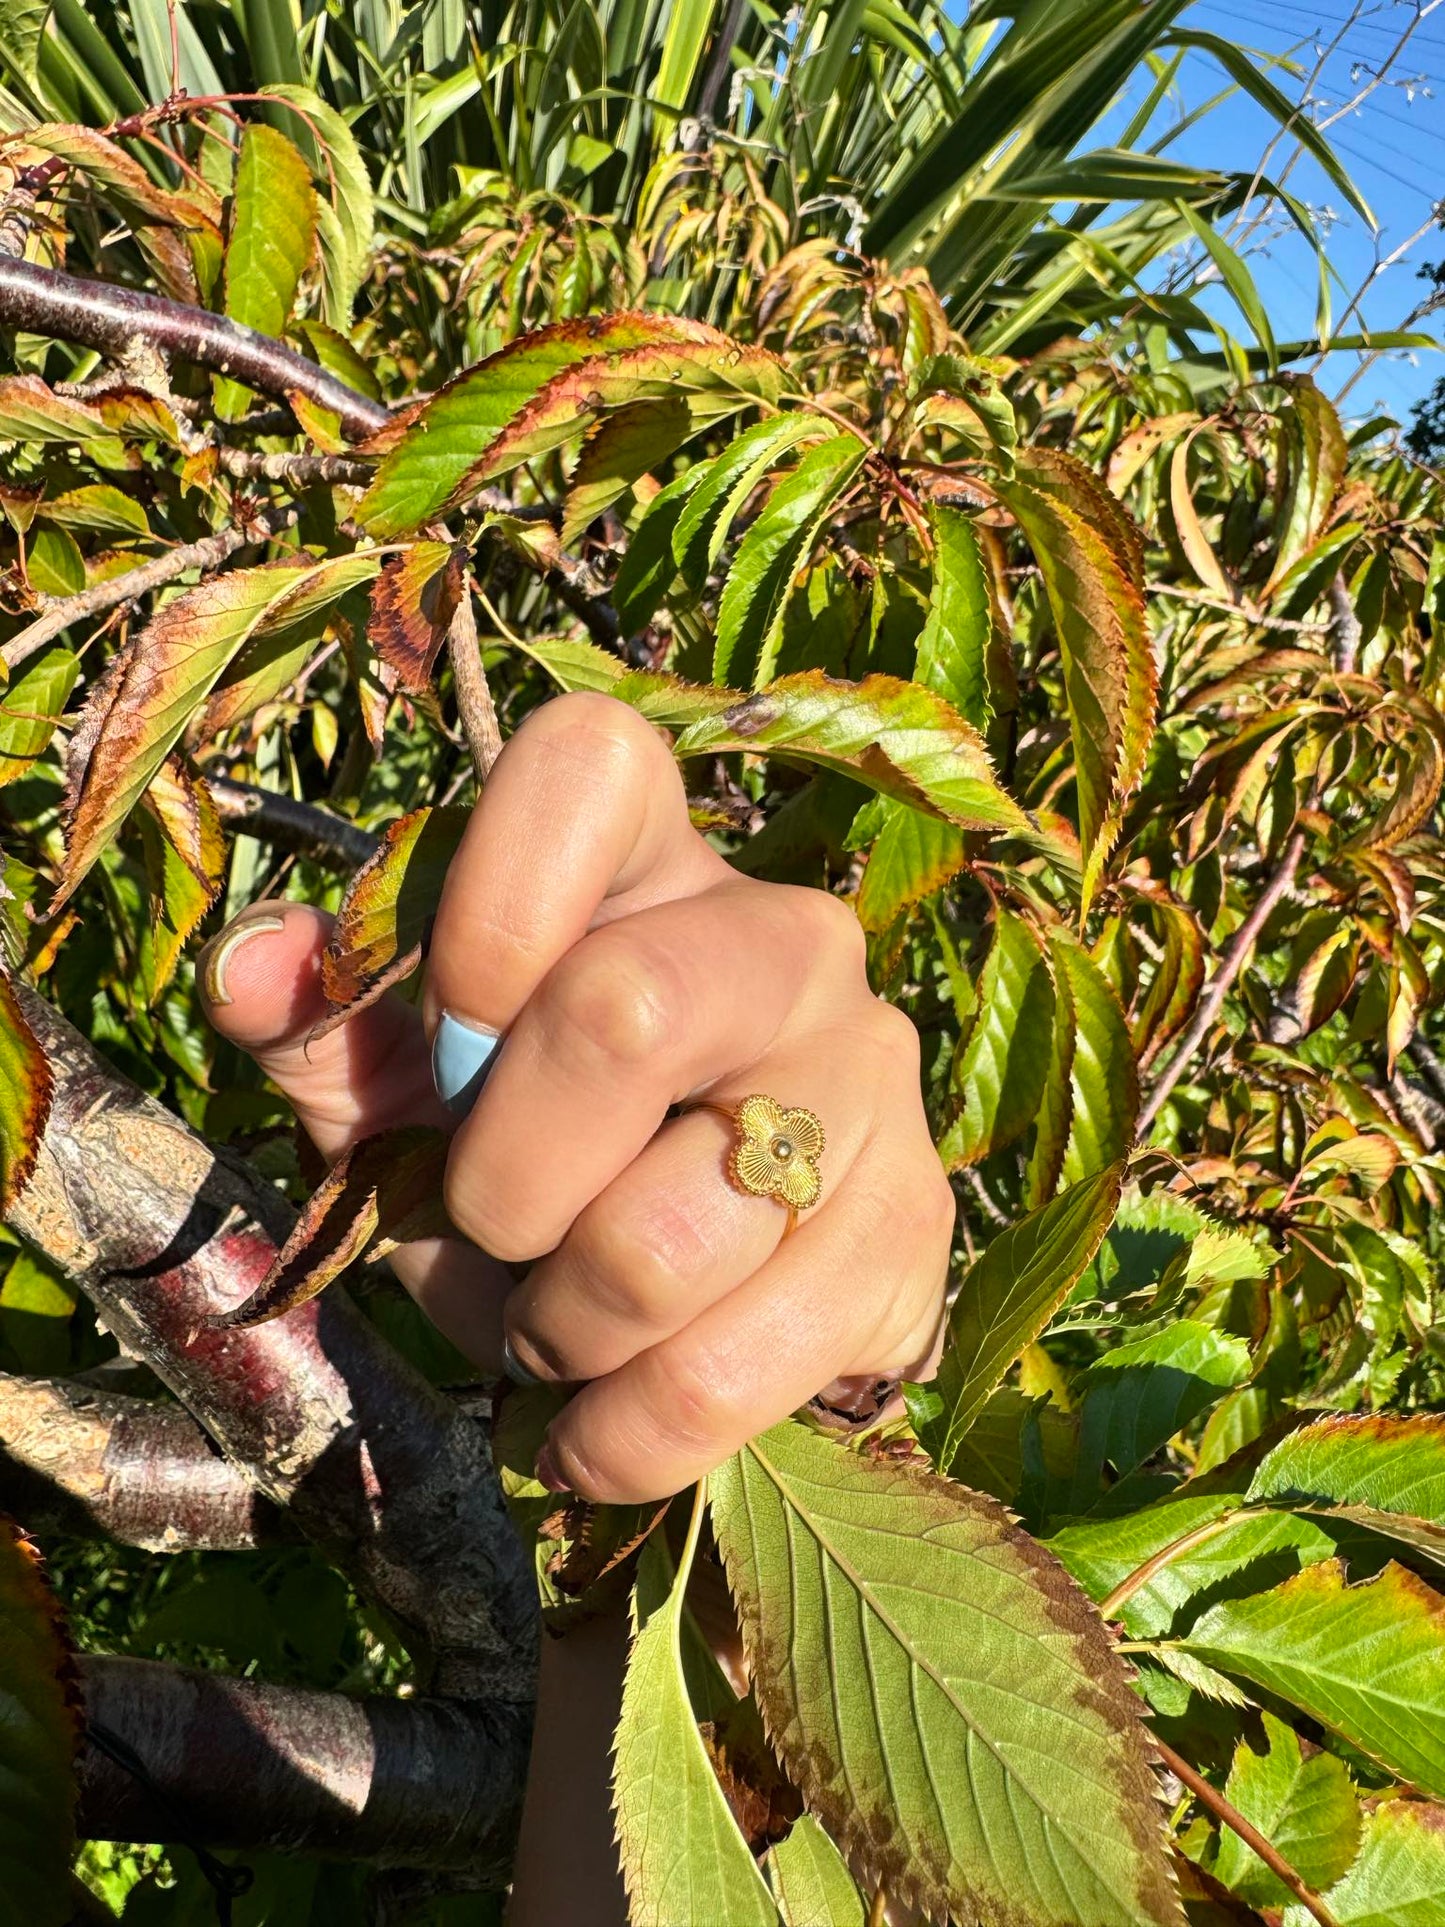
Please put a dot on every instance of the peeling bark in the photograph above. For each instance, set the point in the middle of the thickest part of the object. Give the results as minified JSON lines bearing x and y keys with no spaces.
{"x":238,"y":1764}
{"x":133,"y":1470}
{"x":320,"y":1413}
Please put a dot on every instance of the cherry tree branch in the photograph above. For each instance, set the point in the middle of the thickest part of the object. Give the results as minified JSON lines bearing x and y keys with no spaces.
{"x":173,"y":1754}
{"x":135,"y":1470}
{"x":271,"y":817}
{"x":375,"y":1466}
{"x":109,"y":317}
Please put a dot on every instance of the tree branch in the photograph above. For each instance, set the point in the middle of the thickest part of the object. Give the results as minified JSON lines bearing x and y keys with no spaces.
{"x":134,"y":1470}
{"x":1214,"y":1802}
{"x":1234,"y":961}
{"x":271,"y":817}
{"x":209,"y":553}
{"x":240,"y":1764}
{"x":108,"y":317}
{"x":377,"y":1468}
{"x":477,"y":711}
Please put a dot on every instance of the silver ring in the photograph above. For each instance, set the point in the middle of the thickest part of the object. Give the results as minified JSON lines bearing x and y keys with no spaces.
{"x":514,"y":1368}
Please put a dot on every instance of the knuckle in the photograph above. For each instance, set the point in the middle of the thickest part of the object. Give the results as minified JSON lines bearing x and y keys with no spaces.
{"x":691,"y":1406}
{"x":619,"y":1001}
{"x":898,"y":1038}
{"x":630,"y":1262}
{"x":587,"y":727}
{"x":834,"y":928}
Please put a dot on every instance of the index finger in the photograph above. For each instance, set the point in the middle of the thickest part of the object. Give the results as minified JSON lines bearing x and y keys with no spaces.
{"x":583,"y":820}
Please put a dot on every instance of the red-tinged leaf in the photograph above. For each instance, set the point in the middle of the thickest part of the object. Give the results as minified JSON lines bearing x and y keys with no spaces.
{"x":429,"y":454}
{"x":30,"y":411}
{"x":1104,"y":1074}
{"x":1139,"y":447}
{"x":1090,"y":574}
{"x":271,"y":244}
{"x":25,"y":1092}
{"x":383,"y":1192}
{"x":1317,"y":454}
{"x":40,"y":1719}
{"x":137,"y":713}
{"x":619,"y":452}
{"x":178,"y":232}
{"x":1177,"y":981}
{"x":1056,"y":1105}
{"x":896,"y":737}
{"x":387,"y":912}
{"x":412,"y":604}
{"x":186,"y":857}
{"x":913,"y":856}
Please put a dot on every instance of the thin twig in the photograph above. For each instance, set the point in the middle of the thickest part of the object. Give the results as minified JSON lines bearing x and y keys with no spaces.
{"x":878,"y":1912}
{"x":1254,"y":617}
{"x":475,"y":707}
{"x":108,"y":317}
{"x":271,"y":817}
{"x":1226,"y":1812}
{"x":209,"y":553}
{"x":1235,"y":959}
{"x":296,"y":471}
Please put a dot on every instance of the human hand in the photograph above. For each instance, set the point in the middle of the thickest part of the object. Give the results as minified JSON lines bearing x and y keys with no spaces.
{"x":626,"y":968}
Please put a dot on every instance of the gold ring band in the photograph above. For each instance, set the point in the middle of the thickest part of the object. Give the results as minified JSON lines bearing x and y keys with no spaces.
{"x":775,"y":1151}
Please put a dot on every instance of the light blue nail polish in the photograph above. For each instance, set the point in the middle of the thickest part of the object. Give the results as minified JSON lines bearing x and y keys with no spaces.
{"x":461,"y":1056}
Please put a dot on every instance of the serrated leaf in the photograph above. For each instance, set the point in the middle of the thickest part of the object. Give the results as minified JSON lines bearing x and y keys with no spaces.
{"x":40,"y":1724}
{"x":945,"y":1699}
{"x":380,"y":1193}
{"x":1137,"y":1396}
{"x":1103,"y":1072}
{"x":32,"y":706}
{"x":647,"y":569}
{"x":896,"y":737}
{"x":270,"y":246}
{"x":811,"y":1880}
{"x":913,"y":856}
{"x":413,"y":601}
{"x":22,"y":27}
{"x":953,"y":649}
{"x":1303,"y":1805}
{"x":1006,"y":1299}
{"x":98,"y":506}
{"x":1318,"y":454}
{"x":137,"y":715}
{"x":25,"y":1091}
{"x":388,"y":910}
{"x":725,"y":484}
{"x":684,"y":1861}
{"x":621,"y":449}
{"x":1390,"y":1464}
{"x":754,"y":598}
{"x":1398,"y":1879}
{"x":575,"y":664}
{"x":1367,"y":1661}
{"x":345,"y":187}
{"x":186,"y":854}
{"x":998,"y":1074}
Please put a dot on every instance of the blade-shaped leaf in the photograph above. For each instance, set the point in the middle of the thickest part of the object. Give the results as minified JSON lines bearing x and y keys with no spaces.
{"x":648,"y":566}
{"x":953,"y":649}
{"x":39,"y":1718}
{"x":750,"y":614}
{"x":137,"y":715}
{"x":412,"y":604}
{"x":388,"y":910}
{"x":812,"y":1881}
{"x":1103,"y":1072}
{"x":25,"y":1092}
{"x":725,"y":483}
{"x":1317,"y":458}
{"x":898,"y":738}
{"x":1137,"y":1396}
{"x":31,"y":709}
{"x":1398,"y":1879}
{"x":1388,"y":1464}
{"x":1006,"y":1299}
{"x":271,"y":243}
{"x":683,"y":1858}
{"x":998,"y":1074}
{"x":914,"y":855}
{"x":346,"y":192}
{"x":1368,"y":1661}
{"x":1304,"y":1806}
{"x":619,"y":452}
{"x":945,"y":1699}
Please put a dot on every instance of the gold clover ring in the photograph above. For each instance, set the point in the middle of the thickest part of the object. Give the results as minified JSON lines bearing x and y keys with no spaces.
{"x":775,"y":1153}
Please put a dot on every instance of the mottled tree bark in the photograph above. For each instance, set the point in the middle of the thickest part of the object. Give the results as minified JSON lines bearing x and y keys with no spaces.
{"x":320,"y":1413}
{"x":133,"y":1470}
{"x":236,"y":1763}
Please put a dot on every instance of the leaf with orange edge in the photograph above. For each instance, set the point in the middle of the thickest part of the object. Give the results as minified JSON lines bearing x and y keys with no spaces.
{"x":428,"y":454}
{"x":140,"y":707}
{"x":186,"y":857}
{"x":383,"y":1192}
{"x":412,"y":603}
{"x":25,"y":1093}
{"x":387,"y":911}
{"x":271,"y":244}
{"x":1318,"y":454}
{"x":41,"y":1721}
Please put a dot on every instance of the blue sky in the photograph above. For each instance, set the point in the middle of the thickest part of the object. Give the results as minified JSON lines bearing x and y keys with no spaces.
{"x":1394,"y":146}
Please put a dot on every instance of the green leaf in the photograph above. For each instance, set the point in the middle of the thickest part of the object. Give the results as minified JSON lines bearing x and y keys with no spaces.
{"x":271,"y":243}
{"x":139,"y":709}
{"x":40,"y":1728}
{"x":999,"y":1071}
{"x":949,"y":1706}
{"x":575,"y":664}
{"x":726,"y":483}
{"x":812,"y":1882}
{"x":1136,"y":1397}
{"x":98,"y":506}
{"x":32,"y":707}
{"x":897,"y":738}
{"x":953,"y":649}
{"x":621,"y":449}
{"x":1398,"y":1879}
{"x":433,"y":456}
{"x":1367,"y":1661}
{"x":1386,"y":1464}
{"x":1006,"y":1299}
{"x":1305,"y":1807}
{"x":914,"y":856}
{"x":1103,"y":1073}
{"x":755,"y":595}
{"x":648,"y":566}
{"x":1310,"y":430}
{"x":683,"y":1858}
{"x":22,"y":26}
{"x":344,"y":185}
{"x":25,"y":1092}
{"x":1237,"y":278}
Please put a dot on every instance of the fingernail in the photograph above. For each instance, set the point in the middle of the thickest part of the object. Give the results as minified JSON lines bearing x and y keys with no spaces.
{"x":461,"y":1056}
{"x":547,"y":1473}
{"x":215,"y":959}
{"x":514,"y":1368}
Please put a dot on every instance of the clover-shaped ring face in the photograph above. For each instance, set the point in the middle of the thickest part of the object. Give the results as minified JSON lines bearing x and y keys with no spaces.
{"x":776,"y":1151}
